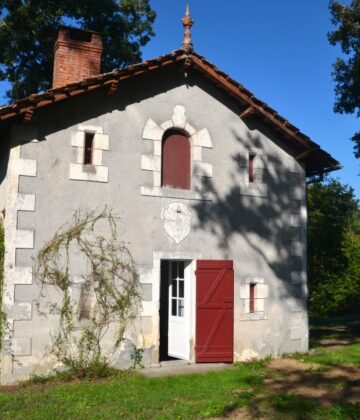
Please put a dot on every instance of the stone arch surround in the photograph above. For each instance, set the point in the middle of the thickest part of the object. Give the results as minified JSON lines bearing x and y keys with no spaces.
{"x":152,"y":163}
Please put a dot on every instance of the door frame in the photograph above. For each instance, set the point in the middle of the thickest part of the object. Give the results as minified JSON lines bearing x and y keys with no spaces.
{"x":190,"y":291}
{"x":187,"y":309}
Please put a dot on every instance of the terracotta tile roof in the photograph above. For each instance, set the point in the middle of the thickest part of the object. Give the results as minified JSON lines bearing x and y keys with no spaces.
{"x":316,"y":160}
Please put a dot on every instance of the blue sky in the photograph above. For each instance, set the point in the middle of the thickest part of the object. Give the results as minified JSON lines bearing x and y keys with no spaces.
{"x":279,"y":50}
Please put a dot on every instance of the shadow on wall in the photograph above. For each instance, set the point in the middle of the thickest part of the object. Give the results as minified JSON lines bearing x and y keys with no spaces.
{"x":263,"y":222}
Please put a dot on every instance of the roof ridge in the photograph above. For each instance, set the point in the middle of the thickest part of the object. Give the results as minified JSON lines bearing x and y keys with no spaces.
{"x":252,"y":105}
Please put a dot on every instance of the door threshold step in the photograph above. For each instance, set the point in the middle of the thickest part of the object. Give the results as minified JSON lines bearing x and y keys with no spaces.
{"x":179,"y":362}
{"x":187,"y":368}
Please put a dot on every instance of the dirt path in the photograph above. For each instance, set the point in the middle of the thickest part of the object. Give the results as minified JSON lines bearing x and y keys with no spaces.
{"x":321,"y":384}
{"x":327,"y":385}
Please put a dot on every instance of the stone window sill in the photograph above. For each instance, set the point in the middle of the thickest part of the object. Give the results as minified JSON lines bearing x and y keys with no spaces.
{"x":256,"y":316}
{"x":81,"y":172}
{"x":89,"y":169}
{"x":175,"y":193}
{"x":253,"y":189}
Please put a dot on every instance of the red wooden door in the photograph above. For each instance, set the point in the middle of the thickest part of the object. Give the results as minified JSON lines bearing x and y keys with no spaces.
{"x":214,"y":311}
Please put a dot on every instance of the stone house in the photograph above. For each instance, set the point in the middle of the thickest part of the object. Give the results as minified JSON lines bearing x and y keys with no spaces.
{"x":209,"y":185}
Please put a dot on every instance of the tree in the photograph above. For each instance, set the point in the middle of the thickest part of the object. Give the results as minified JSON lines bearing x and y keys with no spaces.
{"x":334,"y":248}
{"x":28,"y":31}
{"x":346,"y":71}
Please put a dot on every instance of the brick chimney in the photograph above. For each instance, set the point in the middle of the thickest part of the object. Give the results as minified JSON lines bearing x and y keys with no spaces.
{"x":77,"y":55}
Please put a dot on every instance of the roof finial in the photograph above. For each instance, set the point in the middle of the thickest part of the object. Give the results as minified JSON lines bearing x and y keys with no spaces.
{"x":187,"y":21}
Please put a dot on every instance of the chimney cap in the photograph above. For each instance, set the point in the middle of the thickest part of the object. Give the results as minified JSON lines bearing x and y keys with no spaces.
{"x":63,"y":28}
{"x":78,"y":34}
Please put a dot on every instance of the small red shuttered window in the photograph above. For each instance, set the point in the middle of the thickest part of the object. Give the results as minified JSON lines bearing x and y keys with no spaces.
{"x":176,"y":160}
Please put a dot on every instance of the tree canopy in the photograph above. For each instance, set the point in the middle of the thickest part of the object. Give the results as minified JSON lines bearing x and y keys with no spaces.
{"x":346,"y":70}
{"x":28,"y":31}
{"x":334,"y":248}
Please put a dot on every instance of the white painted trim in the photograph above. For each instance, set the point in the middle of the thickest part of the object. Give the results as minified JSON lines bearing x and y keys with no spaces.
{"x":185,"y":320}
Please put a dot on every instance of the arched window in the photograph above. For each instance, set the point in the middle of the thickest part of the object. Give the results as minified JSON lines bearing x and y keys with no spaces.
{"x":176,"y":160}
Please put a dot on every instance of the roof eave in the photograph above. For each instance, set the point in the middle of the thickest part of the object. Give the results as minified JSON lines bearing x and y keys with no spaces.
{"x":25,"y":108}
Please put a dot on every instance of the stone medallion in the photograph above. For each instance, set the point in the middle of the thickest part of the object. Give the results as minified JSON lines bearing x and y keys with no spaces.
{"x":177,"y":221}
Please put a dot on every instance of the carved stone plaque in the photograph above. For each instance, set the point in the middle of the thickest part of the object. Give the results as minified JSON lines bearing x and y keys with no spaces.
{"x":177,"y":221}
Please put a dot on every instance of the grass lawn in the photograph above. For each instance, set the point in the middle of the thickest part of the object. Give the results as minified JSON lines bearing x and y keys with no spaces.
{"x":285,"y":389}
{"x":133,"y":396}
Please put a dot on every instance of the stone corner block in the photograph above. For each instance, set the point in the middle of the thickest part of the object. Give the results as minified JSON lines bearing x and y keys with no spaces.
{"x":23,"y":275}
{"x":101,"y":141}
{"x":179,"y":117}
{"x":24,"y":239}
{"x":25,"y":167}
{"x":167,"y":125}
{"x":21,"y":346}
{"x":150,"y":163}
{"x":190,"y":129}
{"x":25,"y":202}
{"x":202,"y":138}
{"x":77,"y":139}
{"x":203,"y":169}
{"x":20,"y":311}
{"x":297,"y":249}
{"x":298,"y":277}
{"x":152,"y":131}
{"x":262,"y":291}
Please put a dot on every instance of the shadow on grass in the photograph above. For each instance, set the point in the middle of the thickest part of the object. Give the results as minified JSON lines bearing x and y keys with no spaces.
{"x":335,"y":331}
{"x":298,"y":391}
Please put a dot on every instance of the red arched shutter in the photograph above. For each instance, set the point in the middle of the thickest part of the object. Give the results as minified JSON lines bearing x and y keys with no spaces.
{"x":176,"y":163}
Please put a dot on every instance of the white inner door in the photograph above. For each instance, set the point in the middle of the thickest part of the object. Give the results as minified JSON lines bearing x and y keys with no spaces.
{"x":178,"y":340}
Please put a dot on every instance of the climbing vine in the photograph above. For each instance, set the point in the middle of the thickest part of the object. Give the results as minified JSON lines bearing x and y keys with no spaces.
{"x":103,"y":300}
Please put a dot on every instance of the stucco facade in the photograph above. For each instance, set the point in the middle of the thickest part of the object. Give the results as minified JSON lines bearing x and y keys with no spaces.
{"x":260,"y":226}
